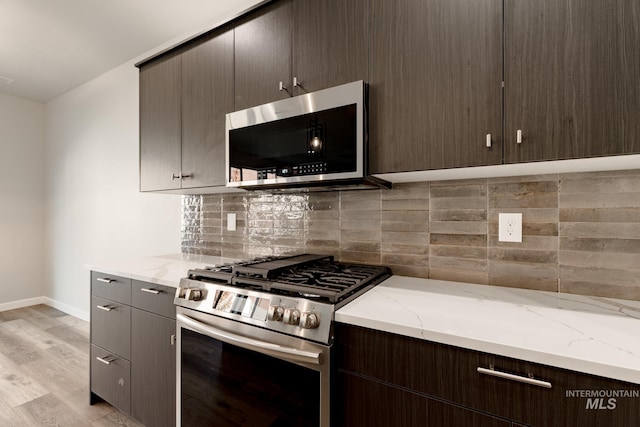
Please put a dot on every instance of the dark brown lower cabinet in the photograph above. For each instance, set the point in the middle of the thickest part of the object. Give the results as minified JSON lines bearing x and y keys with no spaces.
{"x":375,"y":404}
{"x":133,"y":357}
{"x":402,"y":375}
{"x":153,"y":369}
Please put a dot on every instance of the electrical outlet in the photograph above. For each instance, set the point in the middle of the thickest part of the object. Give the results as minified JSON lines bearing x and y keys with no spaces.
{"x":510,"y":227}
{"x":231,"y":222}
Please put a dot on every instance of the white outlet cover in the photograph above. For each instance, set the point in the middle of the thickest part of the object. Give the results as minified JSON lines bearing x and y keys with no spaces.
{"x":510,"y":227}
{"x":231,"y":222}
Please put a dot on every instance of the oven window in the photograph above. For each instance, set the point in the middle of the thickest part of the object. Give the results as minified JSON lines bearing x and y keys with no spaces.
{"x":224,"y":385}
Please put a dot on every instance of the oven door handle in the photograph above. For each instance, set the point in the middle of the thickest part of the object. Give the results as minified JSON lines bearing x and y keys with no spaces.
{"x":286,"y":353}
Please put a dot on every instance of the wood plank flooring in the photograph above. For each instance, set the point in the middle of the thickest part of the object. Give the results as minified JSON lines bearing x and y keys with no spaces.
{"x":44,"y":372}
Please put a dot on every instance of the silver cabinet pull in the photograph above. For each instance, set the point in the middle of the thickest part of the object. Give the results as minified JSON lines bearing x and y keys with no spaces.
{"x":105,"y":280}
{"x":172,"y":340}
{"x":104,"y":307}
{"x":488,"y":140}
{"x":151,"y":291}
{"x":519,"y":136}
{"x":104,"y":360}
{"x":181,"y":176}
{"x":282,"y":87}
{"x":532,"y":381}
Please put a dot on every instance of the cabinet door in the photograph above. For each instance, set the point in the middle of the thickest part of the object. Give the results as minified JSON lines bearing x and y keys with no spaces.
{"x":207,"y":95}
{"x":329,"y":43}
{"x":435,"y":84}
{"x":153,"y":369}
{"x":572,"y":82}
{"x":263,"y":55}
{"x":160,"y":124}
{"x":568,"y":403}
{"x":367,"y":403}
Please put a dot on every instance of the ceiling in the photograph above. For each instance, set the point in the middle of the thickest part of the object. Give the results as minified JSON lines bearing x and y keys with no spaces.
{"x":48,"y":47}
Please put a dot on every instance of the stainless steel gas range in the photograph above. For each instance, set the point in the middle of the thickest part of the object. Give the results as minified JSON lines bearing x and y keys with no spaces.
{"x":255,"y":339}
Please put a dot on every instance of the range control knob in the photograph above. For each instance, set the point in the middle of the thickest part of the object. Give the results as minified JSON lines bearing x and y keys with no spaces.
{"x":193,"y":294}
{"x":309,"y":320}
{"x":275,"y":313}
{"x":291,"y":316}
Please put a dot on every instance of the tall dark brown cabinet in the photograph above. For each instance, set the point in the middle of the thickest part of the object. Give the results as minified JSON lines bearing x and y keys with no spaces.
{"x":435,"y":84}
{"x":571,"y":78}
{"x":183,"y":101}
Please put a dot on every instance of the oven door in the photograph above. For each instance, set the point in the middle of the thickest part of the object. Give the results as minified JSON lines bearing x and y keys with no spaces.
{"x":233,"y":374}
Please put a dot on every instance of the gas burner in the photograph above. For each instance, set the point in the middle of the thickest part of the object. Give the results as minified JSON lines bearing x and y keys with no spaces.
{"x":316,"y":277}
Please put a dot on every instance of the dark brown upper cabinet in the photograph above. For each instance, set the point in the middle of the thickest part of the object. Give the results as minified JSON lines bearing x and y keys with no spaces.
{"x":263,"y":55}
{"x":183,"y":101}
{"x":207,"y":96}
{"x":160,"y":124}
{"x":291,"y":47}
{"x":330,"y":43}
{"x":571,"y":78}
{"x":435,"y":84}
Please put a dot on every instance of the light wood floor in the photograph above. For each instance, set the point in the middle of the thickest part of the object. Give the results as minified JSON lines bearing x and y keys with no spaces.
{"x":44,"y":372}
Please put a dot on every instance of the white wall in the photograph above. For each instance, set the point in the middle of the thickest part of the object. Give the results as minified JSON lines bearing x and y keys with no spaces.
{"x":93,"y":207}
{"x":21,"y":199}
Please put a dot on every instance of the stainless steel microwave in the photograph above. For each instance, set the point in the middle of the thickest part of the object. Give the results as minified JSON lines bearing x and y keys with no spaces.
{"x":315,"y":139}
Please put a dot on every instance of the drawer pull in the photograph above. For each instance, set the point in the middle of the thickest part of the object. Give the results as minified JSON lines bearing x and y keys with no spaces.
{"x":105,"y":280}
{"x":151,"y":291}
{"x":492,"y":372}
{"x":172,"y":340}
{"x":104,"y":360}
{"x":104,"y":307}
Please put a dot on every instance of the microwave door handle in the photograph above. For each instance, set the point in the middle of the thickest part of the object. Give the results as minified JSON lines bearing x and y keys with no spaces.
{"x":286,"y":353}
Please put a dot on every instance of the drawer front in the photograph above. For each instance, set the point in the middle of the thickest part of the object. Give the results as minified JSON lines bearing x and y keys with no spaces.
{"x":157,"y":299}
{"x":112,"y":287}
{"x":111,"y":326}
{"x":111,"y":378}
{"x":434,"y":369}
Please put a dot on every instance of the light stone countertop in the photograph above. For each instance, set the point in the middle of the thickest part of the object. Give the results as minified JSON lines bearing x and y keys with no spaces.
{"x":163,"y":269}
{"x":598,"y":336}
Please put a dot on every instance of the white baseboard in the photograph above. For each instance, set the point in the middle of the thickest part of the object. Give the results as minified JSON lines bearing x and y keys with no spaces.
{"x":22,"y":303}
{"x":80,"y":314}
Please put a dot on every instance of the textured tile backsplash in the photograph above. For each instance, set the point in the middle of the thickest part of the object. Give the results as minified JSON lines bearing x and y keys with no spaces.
{"x":581,"y":232}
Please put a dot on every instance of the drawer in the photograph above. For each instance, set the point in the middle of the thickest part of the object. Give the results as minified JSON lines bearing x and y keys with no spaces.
{"x":112,"y":287}
{"x":435,"y":370}
{"x":111,"y":378}
{"x":111,"y":326}
{"x":157,"y":299}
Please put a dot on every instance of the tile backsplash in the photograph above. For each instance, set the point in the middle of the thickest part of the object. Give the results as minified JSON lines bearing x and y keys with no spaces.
{"x":581,"y":232}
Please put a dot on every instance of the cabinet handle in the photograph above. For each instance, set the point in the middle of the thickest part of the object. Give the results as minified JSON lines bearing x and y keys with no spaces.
{"x":296,"y":83}
{"x":104,"y":307}
{"x":282,"y":87}
{"x":519,"y":136}
{"x":180,"y":176}
{"x":488,"y":140}
{"x":492,"y":372}
{"x":172,"y":340}
{"x":151,"y":291}
{"x":104,"y":360}
{"x":105,"y":280}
